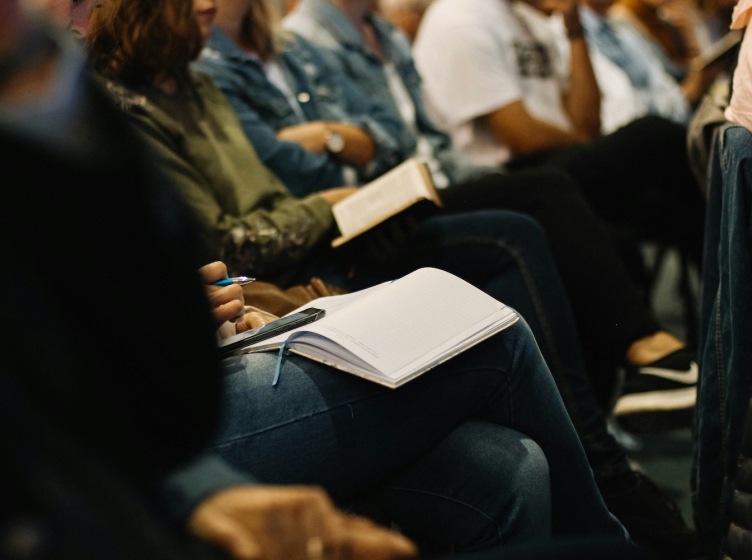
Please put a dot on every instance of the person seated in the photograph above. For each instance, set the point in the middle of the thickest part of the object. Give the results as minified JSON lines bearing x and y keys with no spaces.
{"x":658,"y":91}
{"x":325,"y":132}
{"x":674,"y":29}
{"x":405,"y":14}
{"x":529,"y":112}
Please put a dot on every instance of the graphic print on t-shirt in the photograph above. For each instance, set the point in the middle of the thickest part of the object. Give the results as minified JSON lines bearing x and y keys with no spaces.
{"x":533,"y":60}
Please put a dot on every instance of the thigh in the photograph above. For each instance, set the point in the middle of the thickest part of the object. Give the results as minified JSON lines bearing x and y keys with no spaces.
{"x":325,"y":427}
{"x":640,"y":168}
{"x":484,"y":485}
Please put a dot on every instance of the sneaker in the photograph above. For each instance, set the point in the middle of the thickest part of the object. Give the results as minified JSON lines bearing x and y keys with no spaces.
{"x":659,"y":396}
{"x":651,"y":516}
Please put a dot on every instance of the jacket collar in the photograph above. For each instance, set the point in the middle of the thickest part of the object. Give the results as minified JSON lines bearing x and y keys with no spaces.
{"x":220,"y":43}
{"x":335,"y":21}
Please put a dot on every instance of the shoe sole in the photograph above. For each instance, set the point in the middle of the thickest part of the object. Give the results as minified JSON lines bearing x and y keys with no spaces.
{"x":656,"y":401}
{"x":660,"y":411}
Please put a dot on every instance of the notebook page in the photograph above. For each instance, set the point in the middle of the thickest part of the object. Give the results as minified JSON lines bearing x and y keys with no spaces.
{"x":408,"y":319}
{"x":331,"y":304}
{"x":380,"y":197}
{"x":495,"y":322}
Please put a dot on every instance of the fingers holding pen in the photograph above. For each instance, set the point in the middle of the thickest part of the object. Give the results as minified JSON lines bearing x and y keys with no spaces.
{"x":227,"y":303}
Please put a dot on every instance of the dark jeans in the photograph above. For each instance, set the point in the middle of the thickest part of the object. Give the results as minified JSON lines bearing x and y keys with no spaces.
{"x":725,"y":352}
{"x":581,"y":549}
{"x":609,"y":312}
{"x":462,"y":455}
{"x":506,"y":255}
{"x":639,"y":177}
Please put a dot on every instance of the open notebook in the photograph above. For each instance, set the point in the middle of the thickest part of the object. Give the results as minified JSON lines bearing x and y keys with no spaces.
{"x":396,"y":331}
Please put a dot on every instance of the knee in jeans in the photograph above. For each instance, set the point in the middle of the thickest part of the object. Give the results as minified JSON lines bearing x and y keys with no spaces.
{"x":512,"y":471}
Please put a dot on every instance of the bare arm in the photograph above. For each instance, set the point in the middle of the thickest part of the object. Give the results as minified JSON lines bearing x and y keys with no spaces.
{"x":513,"y":126}
{"x":359,"y":148}
{"x":583,"y":102}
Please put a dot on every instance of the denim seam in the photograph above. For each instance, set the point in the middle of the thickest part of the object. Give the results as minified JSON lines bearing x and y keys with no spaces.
{"x":721,"y":370}
{"x":562,"y":382}
{"x":491,"y":520}
{"x":295,"y":421}
{"x":347,"y":404}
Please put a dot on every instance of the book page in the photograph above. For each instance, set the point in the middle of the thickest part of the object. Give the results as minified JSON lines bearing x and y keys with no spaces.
{"x":381,"y":198}
{"x":413,"y":317}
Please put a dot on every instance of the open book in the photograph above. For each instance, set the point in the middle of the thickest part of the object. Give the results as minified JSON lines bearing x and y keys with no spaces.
{"x":379,"y":200}
{"x":396,"y":331}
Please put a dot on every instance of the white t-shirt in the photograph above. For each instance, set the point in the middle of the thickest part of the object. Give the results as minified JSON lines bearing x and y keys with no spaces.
{"x":423,"y":150}
{"x":477,"y":56}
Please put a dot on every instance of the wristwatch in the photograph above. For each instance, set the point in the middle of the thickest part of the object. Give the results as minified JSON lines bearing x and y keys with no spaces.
{"x":334,"y":142}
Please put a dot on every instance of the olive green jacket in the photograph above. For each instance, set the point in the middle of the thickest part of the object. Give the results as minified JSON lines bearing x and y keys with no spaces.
{"x":256,"y":226}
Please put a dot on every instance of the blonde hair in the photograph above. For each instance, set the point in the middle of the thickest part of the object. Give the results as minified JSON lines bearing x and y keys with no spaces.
{"x":261,"y":29}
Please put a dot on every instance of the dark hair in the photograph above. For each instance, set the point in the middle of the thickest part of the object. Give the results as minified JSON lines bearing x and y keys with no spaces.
{"x":135,"y":40}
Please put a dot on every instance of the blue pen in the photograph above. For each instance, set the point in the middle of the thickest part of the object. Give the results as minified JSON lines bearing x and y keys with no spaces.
{"x":240,"y":281}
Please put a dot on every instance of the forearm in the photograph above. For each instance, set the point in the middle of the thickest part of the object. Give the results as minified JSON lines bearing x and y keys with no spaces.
{"x":523,"y":134}
{"x":359,"y":147}
{"x":583,"y":102}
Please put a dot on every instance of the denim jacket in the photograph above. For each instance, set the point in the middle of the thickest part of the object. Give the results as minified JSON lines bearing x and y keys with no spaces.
{"x":724,"y":352}
{"x":323,"y":94}
{"x":329,"y":28}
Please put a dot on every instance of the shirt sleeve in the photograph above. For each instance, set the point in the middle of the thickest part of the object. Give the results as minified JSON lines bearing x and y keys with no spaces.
{"x":463,"y":73}
{"x":186,"y":487}
{"x":261,"y":242}
{"x":742,"y":14}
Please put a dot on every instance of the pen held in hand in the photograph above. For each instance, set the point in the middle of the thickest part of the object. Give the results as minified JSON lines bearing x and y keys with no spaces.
{"x":240,"y":281}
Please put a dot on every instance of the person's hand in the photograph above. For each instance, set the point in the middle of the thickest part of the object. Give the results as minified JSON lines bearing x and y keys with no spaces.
{"x":333,"y":196}
{"x":311,"y":135}
{"x":254,"y":320}
{"x":227,"y":302}
{"x":291,"y":523}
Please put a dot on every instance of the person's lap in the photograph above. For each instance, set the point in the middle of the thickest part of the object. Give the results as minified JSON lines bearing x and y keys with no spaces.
{"x":320,"y":426}
{"x":506,"y":254}
{"x":637,"y":176}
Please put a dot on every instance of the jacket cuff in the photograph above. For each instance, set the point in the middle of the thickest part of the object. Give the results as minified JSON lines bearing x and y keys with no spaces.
{"x":186,"y":487}
{"x":321,"y":210}
{"x":387,"y":148}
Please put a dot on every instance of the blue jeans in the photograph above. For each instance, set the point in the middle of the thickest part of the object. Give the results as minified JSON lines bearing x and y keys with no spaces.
{"x":463,"y":455}
{"x":506,"y":255}
{"x":725,"y":352}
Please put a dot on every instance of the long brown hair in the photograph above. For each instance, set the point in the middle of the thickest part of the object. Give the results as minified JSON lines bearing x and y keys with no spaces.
{"x":261,"y":30}
{"x":135,"y":40}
